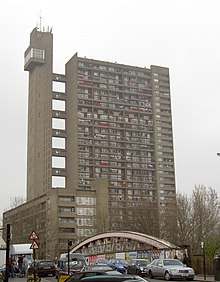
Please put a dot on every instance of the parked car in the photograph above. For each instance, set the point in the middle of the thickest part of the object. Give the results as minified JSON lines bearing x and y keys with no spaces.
{"x":118,"y":264}
{"x":74,"y":267}
{"x":102,"y":268}
{"x":42,"y":268}
{"x":88,"y":273}
{"x":138,"y":266}
{"x":170,"y":269}
{"x":77,"y":263}
{"x":114,"y":278}
{"x":100,"y":261}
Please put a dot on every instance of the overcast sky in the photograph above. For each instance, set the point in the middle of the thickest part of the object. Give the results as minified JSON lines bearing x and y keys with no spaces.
{"x":183,"y":35}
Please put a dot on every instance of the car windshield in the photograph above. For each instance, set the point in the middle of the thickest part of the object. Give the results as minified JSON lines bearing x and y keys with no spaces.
{"x":121,"y":261}
{"x":99,"y":268}
{"x":75,"y":264}
{"x":100,"y":261}
{"x":143,"y":262}
{"x":46,"y":263}
{"x":172,"y":262}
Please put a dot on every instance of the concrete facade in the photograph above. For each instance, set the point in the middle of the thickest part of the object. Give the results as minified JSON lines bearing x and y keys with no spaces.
{"x":100,"y":149}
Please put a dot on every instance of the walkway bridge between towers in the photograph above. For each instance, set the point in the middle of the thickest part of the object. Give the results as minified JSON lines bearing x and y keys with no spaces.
{"x":124,"y":241}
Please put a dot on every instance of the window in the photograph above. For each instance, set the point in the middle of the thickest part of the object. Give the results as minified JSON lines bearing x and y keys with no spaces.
{"x":66,"y":198}
{"x":58,"y":142}
{"x":85,"y":211}
{"x":84,"y":221}
{"x":67,"y":219}
{"x":58,"y":123}
{"x":58,"y":86}
{"x":58,"y":182}
{"x":58,"y":162}
{"x":66,"y":209}
{"x":67,"y":230}
{"x":85,"y":201}
{"x":58,"y":105}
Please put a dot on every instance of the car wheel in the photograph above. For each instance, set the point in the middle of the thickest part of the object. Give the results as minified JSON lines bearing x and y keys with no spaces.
{"x":167,"y":276}
{"x":151,"y":275}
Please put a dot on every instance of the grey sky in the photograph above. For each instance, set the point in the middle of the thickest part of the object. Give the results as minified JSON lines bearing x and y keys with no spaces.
{"x":180,"y":34}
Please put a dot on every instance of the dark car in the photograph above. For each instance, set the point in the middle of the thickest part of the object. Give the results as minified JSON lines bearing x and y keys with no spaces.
{"x":114,"y":278}
{"x":138,"y":266}
{"x":75,"y":266}
{"x":118,"y":264}
{"x":85,"y":274}
{"x":100,"y":261}
{"x":42,"y":268}
{"x":102,"y":268}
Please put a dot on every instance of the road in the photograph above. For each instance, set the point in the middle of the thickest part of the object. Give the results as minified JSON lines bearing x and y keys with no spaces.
{"x":197,"y":278}
{"x":53,"y":279}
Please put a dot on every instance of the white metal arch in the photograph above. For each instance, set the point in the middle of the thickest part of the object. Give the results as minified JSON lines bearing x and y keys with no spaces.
{"x":139,"y":237}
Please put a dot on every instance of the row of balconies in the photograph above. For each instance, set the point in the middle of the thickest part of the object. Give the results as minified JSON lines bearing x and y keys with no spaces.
{"x":126,"y":76}
{"x":119,"y":165}
{"x":115,"y":143}
{"x":111,"y":125}
{"x":120,"y":109}
{"x":116,"y":69}
{"x":109,"y":115}
{"x":116,"y":155}
{"x":119,"y":87}
{"x":118,"y":98}
{"x":99,"y":160}
{"x":98,"y":102}
{"x":90,"y":131}
{"x":113,"y":79}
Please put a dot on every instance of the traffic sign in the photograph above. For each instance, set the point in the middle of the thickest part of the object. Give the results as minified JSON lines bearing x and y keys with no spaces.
{"x":34,"y":245}
{"x":33,"y":236}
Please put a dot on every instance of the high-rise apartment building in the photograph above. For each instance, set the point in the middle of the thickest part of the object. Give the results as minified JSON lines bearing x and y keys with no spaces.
{"x":100,"y":121}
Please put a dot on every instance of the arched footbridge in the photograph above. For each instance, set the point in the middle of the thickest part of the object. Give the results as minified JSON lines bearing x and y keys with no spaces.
{"x":124,"y":241}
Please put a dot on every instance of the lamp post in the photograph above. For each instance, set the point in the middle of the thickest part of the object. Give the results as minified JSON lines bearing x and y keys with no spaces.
{"x":8,"y":239}
{"x":68,"y":255}
{"x":203,"y":254}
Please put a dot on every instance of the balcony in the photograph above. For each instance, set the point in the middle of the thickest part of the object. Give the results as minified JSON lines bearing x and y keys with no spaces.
{"x":33,"y":58}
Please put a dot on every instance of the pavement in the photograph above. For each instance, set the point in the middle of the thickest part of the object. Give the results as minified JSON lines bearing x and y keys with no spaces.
{"x":24,"y":279}
{"x":208,"y":278}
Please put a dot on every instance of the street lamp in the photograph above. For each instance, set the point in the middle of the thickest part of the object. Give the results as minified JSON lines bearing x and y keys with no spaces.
{"x":203,"y":254}
{"x":68,"y":255}
{"x":8,"y":238}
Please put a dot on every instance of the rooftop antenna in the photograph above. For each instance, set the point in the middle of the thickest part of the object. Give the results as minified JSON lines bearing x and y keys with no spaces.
{"x":40,"y":21}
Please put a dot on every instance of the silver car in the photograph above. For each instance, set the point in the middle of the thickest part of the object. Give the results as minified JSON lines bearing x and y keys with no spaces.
{"x":170,"y":269}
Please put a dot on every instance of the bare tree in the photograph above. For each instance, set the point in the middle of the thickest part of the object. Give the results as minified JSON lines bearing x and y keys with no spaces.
{"x":102,"y":219}
{"x":197,"y":217}
{"x":184,"y":219}
{"x":168,"y":221}
{"x":16,"y":201}
{"x":206,"y":208}
{"x":144,"y":219}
